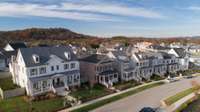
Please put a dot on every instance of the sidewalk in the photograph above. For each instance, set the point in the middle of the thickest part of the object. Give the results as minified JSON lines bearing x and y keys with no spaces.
{"x":105,"y":97}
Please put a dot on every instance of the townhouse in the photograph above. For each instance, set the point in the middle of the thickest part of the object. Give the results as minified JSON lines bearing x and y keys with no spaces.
{"x":44,"y":69}
{"x":98,"y":69}
{"x":125,"y":66}
{"x":182,"y":56}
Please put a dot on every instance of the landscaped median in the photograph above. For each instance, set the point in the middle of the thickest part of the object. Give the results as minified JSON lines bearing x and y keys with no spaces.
{"x":178,"y":96}
{"x":114,"y":97}
{"x":180,"y":100}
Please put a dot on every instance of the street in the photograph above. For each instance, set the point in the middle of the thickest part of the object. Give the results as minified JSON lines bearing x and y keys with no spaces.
{"x":147,"y":98}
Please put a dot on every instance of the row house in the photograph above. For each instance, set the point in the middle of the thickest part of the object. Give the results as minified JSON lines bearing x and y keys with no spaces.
{"x":182,"y":57}
{"x":98,"y":69}
{"x":125,"y":66}
{"x":44,"y":69}
{"x":143,"y":61}
{"x":171,"y":62}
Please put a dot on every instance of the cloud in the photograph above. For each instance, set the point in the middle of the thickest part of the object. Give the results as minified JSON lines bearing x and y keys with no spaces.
{"x":76,"y":11}
{"x":22,"y":10}
{"x":115,"y":9}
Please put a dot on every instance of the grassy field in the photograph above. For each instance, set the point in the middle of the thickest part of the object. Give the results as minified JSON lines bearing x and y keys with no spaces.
{"x":85,"y":93}
{"x":178,"y":96}
{"x":18,"y":104}
{"x":115,"y":98}
{"x":7,"y":84}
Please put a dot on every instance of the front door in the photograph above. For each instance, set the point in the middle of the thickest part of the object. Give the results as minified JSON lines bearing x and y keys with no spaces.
{"x":58,"y":81}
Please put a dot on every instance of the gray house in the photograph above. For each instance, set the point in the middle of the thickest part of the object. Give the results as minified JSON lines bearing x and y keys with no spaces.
{"x":98,"y":69}
{"x":125,"y":66}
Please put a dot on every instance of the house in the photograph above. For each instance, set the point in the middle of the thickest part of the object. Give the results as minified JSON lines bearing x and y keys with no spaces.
{"x":172,"y":62}
{"x":158,"y":48}
{"x":143,"y":60}
{"x":14,"y":46}
{"x":2,"y":62}
{"x":125,"y":66}
{"x":194,"y":49}
{"x":98,"y":69}
{"x":183,"y":57}
{"x":44,"y":69}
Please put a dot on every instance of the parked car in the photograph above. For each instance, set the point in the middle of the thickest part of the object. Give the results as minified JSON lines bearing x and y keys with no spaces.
{"x":147,"y":109}
{"x":189,"y":77}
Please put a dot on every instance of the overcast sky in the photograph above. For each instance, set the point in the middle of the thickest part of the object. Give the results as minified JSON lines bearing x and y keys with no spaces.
{"x":150,"y":18}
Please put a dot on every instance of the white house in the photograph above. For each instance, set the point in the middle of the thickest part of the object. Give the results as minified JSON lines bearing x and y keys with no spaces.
{"x":44,"y":69}
{"x":181,"y":54}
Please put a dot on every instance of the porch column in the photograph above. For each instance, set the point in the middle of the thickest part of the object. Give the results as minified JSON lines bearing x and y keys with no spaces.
{"x":104,"y":79}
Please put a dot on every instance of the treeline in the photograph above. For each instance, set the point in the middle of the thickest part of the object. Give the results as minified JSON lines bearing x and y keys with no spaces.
{"x":52,"y":36}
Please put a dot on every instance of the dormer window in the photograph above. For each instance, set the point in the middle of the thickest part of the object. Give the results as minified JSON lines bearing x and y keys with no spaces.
{"x":67,"y":55}
{"x":36,"y":58}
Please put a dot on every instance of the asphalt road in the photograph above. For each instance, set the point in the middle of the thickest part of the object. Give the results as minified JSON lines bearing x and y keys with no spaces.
{"x":148,"y":98}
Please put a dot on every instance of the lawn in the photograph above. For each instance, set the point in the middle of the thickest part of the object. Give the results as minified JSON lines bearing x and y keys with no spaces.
{"x":18,"y":104}
{"x":115,"y":98}
{"x":178,"y":96}
{"x":126,"y":85}
{"x":156,"y":77}
{"x":85,"y":93}
{"x":7,"y":84}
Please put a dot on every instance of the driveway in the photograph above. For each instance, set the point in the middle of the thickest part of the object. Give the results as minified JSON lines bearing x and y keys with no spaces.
{"x":147,"y":98}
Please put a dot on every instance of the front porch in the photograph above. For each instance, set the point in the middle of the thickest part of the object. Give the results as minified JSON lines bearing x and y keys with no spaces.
{"x":107,"y":78}
{"x":59,"y":84}
{"x":130,"y":74}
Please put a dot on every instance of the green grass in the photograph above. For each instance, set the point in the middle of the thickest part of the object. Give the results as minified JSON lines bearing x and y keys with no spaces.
{"x":126,"y":85}
{"x":156,"y":77}
{"x":115,"y":98}
{"x":18,"y":104}
{"x":86,"y":94}
{"x":7,"y":84}
{"x":178,"y":96}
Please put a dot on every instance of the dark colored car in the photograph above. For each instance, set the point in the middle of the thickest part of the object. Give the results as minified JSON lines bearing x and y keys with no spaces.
{"x":147,"y":109}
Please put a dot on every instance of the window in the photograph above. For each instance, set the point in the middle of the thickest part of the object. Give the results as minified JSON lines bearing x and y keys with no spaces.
{"x":57,"y":67}
{"x":72,"y":65}
{"x":45,"y":84}
{"x":36,"y":86}
{"x":52,"y":68}
{"x":33,"y":72}
{"x":66,"y":66}
{"x":42,"y":70}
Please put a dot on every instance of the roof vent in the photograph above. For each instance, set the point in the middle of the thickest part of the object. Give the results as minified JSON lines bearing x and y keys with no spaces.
{"x":36,"y":58}
{"x":67,"y":55}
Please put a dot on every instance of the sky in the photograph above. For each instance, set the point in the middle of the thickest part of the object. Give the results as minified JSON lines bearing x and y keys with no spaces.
{"x":105,"y":18}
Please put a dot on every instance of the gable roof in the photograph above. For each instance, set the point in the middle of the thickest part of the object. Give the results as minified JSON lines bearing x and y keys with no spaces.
{"x":158,"y":47}
{"x":180,"y":51}
{"x":18,"y":45}
{"x":45,"y":54}
{"x":96,"y":58}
